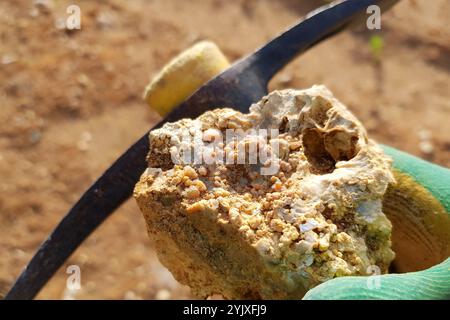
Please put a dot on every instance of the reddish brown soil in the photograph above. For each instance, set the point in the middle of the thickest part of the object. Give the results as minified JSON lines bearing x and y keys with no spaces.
{"x":70,"y":103}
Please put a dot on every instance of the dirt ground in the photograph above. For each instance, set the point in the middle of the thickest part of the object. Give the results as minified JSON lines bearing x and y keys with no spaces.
{"x":70,"y":103}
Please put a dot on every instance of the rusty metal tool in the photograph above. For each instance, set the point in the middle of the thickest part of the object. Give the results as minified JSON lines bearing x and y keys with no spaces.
{"x":244,"y":83}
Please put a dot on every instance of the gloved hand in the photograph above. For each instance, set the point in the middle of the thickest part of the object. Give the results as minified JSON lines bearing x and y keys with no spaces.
{"x":419,"y":209}
{"x":418,"y":205}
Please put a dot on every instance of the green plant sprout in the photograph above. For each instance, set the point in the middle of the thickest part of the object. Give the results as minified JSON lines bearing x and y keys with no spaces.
{"x":376,"y":43}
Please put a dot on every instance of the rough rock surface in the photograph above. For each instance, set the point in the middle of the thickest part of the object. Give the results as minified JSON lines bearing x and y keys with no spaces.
{"x":232,"y":229}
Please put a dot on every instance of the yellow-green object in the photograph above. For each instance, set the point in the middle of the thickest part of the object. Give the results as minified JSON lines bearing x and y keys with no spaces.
{"x":184,"y":75}
{"x":376,"y":46}
{"x":418,"y":205}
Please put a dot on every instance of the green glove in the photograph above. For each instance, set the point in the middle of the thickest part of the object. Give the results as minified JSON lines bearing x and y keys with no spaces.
{"x":419,"y":209}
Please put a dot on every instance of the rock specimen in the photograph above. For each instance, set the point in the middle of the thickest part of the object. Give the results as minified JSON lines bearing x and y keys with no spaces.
{"x":269,"y":214}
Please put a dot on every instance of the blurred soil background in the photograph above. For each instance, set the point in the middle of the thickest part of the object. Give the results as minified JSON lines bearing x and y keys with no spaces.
{"x":70,"y":103}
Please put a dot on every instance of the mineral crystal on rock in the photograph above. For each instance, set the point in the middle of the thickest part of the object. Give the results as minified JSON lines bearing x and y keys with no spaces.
{"x":229,"y":227}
